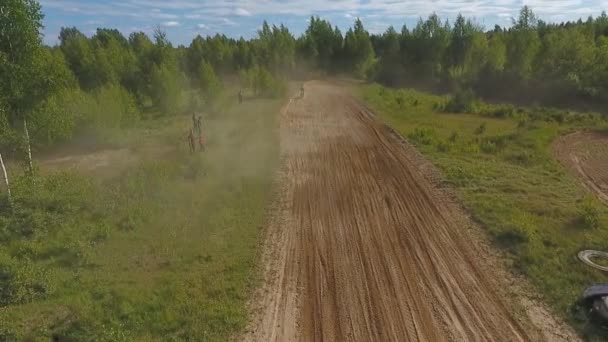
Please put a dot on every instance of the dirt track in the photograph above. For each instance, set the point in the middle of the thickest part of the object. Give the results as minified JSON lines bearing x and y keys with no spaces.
{"x":586,"y":154}
{"x":362,"y":247}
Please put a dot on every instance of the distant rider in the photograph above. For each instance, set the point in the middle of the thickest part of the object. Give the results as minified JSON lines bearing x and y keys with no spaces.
{"x":199,"y":131}
{"x":192,"y":140}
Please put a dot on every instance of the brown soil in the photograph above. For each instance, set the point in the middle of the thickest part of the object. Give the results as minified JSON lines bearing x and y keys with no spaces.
{"x":363,"y":246}
{"x":586,"y":155}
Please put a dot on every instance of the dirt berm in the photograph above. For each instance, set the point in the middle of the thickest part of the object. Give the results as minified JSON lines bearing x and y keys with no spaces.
{"x":363,"y":247}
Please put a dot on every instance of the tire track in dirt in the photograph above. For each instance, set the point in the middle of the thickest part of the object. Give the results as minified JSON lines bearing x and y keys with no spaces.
{"x":586,"y":154}
{"x":361,"y":247}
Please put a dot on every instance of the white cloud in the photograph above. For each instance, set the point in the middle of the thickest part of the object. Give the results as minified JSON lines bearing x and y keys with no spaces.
{"x":171,"y":23}
{"x":227,"y":22}
{"x":162,"y":15}
{"x":242,"y":12}
{"x":236,"y":17}
{"x":389,"y":9}
{"x":202,"y":26}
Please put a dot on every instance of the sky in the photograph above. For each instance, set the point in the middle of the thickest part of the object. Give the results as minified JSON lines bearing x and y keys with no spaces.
{"x":184,"y":19}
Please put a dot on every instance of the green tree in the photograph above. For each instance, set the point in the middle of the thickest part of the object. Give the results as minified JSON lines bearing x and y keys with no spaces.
{"x":166,"y":88}
{"x":566,"y":54}
{"x":428,"y":44}
{"x":23,"y":79}
{"x":524,"y":44}
{"x":390,"y":69}
{"x":497,"y":53}
{"x":48,"y":120}
{"x":358,"y":50}
{"x":139,"y":79}
{"x":321,"y":45}
{"x":79,"y":55}
{"x":210,"y":84}
{"x":20,"y":53}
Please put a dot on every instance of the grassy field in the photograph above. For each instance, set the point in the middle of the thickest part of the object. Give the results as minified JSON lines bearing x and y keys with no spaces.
{"x":499,"y":162}
{"x":164,"y":251}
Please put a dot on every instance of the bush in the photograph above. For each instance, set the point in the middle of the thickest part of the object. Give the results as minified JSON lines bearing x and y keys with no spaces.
{"x":495,"y":143}
{"x":501,"y":111}
{"x":167,"y":84}
{"x":366,"y":69}
{"x":263,"y":83}
{"x":21,"y":281}
{"x":444,"y":146}
{"x":522,"y":122}
{"x":589,"y":213}
{"x":526,"y":158}
{"x":399,"y":101}
{"x":56,"y":118}
{"x":210,"y":84}
{"x":424,"y":136}
{"x":488,"y":146}
{"x":458,"y":176}
{"x":512,"y":238}
{"x":463,"y":101}
{"x":453,"y":137}
{"x":116,"y":107}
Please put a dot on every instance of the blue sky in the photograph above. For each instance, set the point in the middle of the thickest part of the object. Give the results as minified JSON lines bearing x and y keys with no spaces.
{"x":184,"y":19}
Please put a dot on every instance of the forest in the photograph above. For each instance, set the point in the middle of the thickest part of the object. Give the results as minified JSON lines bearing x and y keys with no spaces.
{"x":109,"y":80}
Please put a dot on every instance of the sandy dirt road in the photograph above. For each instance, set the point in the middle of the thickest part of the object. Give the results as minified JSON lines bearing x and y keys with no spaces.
{"x":586,"y":155}
{"x":362,"y":247}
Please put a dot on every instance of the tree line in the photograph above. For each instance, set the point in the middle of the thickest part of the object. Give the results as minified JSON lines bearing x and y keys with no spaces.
{"x":109,"y":80}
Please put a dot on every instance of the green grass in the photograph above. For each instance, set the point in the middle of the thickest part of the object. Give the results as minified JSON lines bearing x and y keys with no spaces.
{"x":500,"y":164}
{"x":166,"y":251}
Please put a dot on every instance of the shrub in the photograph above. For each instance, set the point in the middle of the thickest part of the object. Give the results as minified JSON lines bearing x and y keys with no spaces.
{"x":512,"y":238}
{"x":589,"y":213}
{"x":501,"y":111}
{"x":488,"y":146}
{"x":444,"y":146}
{"x":167,"y":84}
{"x":521,"y":158}
{"x":56,"y":118}
{"x":471,"y":147}
{"x":116,"y":107}
{"x":21,"y":281}
{"x":495,"y":143}
{"x":210,"y":84}
{"x":424,"y":136}
{"x":522,"y":122}
{"x":463,"y":101}
{"x":263,"y":83}
{"x":453,"y":137}
{"x":458,"y":176}
{"x":481,"y":129}
{"x":399,"y":101}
